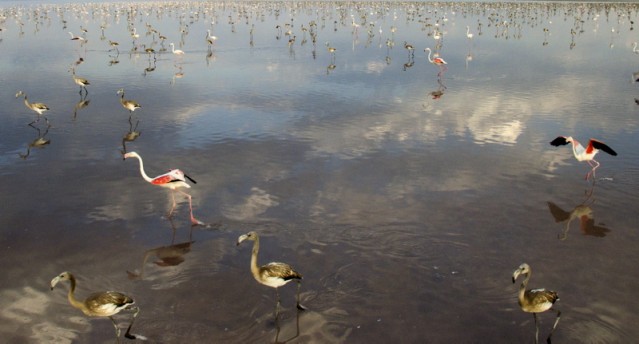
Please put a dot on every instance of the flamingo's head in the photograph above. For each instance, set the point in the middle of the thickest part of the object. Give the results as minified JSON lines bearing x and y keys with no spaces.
{"x":523,"y":269}
{"x":131,"y":155}
{"x":247,"y":236}
{"x":64,"y":276}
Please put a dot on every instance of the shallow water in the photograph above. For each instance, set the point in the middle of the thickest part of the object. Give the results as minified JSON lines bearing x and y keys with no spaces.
{"x":404,"y":193}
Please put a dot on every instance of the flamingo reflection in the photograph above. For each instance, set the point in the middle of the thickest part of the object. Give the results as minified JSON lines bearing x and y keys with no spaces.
{"x":81,"y":104}
{"x":584,"y":213}
{"x":39,"y":142}
{"x":170,"y":255}
{"x":130,"y":135}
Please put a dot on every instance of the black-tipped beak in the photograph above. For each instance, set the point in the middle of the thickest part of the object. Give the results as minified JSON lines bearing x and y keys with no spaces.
{"x":191,"y":179}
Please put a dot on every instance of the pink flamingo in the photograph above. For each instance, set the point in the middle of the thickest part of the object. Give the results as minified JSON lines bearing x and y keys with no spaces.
{"x":585,"y":154}
{"x":174,"y":179}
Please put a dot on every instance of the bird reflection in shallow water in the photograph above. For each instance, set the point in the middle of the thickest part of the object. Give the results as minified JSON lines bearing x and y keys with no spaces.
{"x":535,"y":300}
{"x":39,"y":142}
{"x":81,"y":104}
{"x":279,"y":329}
{"x":171,"y":255}
{"x":437,"y":94}
{"x":130,"y":135}
{"x":584,"y":213}
{"x":100,"y":304}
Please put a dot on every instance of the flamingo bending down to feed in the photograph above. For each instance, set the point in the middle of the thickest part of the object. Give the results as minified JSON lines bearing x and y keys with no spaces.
{"x":585,"y":154}
{"x":100,"y":304}
{"x":273,"y":274}
{"x":535,"y":300}
{"x":174,"y":179}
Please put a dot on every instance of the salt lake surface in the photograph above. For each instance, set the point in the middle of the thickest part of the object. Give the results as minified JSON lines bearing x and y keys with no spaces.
{"x":405,"y":193}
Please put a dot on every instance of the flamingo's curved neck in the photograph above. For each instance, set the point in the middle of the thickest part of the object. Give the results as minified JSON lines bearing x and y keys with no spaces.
{"x":72,"y":300}
{"x":429,"y":59}
{"x":522,"y":287}
{"x":144,"y":175}
{"x":255,"y":270}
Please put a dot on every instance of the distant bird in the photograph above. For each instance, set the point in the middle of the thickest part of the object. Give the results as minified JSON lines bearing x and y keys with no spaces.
{"x":82,"y":82}
{"x":128,"y":104}
{"x":100,"y":304}
{"x":535,"y":300}
{"x":437,"y":60}
{"x":114,"y":45}
{"x":174,"y":179}
{"x":176,"y":51}
{"x":585,"y":154}
{"x":39,"y":108}
{"x":210,"y":40}
{"x":273,"y":274}
{"x":468,"y":34}
{"x":76,"y":38}
{"x":409,"y":48}
{"x":634,"y":48}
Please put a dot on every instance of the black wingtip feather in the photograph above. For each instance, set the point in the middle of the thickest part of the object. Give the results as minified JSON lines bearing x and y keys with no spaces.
{"x":602,"y":146}
{"x":559,"y":141}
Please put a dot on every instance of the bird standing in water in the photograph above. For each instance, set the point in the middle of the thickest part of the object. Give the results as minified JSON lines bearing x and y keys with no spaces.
{"x":535,"y":300}
{"x":585,"y":154}
{"x":128,"y":104}
{"x":100,"y":304}
{"x":174,"y":179}
{"x":39,"y":108}
{"x":273,"y":274}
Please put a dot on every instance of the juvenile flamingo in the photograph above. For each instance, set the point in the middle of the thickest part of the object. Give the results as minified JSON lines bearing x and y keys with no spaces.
{"x":128,"y":104}
{"x":100,"y":304}
{"x":535,"y":300}
{"x":585,"y":154}
{"x":273,"y":274}
{"x":39,"y":108}
{"x":174,"y":179}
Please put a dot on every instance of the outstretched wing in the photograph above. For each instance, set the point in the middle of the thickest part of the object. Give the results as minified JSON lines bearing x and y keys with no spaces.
{"x":559,"y":141}
{"x":559,"y":214}
{"x":601,"y":146}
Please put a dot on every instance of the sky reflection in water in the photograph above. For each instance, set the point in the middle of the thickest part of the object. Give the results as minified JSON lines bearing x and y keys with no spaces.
{"x":406,"y":196}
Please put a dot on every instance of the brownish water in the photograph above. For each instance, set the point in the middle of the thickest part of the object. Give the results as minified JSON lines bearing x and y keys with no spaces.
{"x":406,"y":195}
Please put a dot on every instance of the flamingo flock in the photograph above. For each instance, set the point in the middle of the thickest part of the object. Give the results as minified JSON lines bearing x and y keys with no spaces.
{"x":107,"y":304}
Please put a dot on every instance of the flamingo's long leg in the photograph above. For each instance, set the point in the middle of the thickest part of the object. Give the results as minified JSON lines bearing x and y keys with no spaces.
{"x":554,"y":326}
{"x":536,"y":329}
{"x":117,"y":329}
{"x":128,"y":330}
{"x":194,"y":221}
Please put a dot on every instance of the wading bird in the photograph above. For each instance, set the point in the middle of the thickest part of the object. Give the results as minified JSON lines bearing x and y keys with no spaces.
{"x":100,"y":304}
{"x":173,"y":180}
{"x":437,"y":60}
{"x":535,"y":300}
{"x":174,"y":51}
{"x":128,"y":104}
{"x":273,"y":274}
{"x":82,"y":82}
{"x":76,"y":38}
{"x":585,"y":154}
{"x":39,"y":108}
